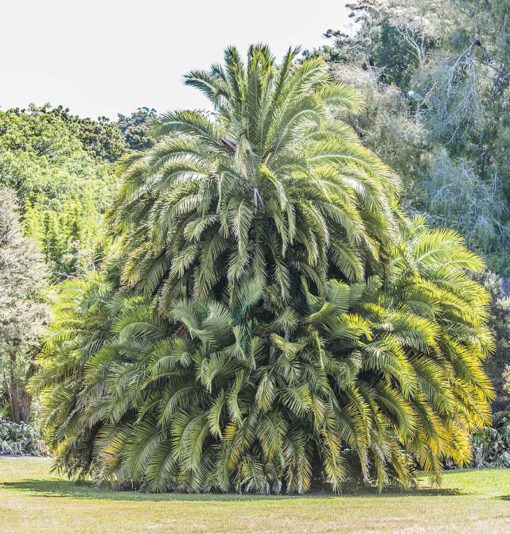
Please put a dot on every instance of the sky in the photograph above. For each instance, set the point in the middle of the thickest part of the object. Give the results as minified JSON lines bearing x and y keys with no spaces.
{"x":103,"y":57}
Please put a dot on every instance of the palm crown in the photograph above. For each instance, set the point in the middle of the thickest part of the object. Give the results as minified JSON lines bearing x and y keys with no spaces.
{"x":269,"y":187}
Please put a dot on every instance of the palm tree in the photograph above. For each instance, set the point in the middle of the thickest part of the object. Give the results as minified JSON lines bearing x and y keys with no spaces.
{"x":266,"y":189}
{"x":279,"y":323}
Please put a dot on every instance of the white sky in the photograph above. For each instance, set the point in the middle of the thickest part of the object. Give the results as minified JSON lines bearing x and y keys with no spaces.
{"x":101,"y":57}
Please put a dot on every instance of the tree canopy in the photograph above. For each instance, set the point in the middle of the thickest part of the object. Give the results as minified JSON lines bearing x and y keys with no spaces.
{"x":62,"y":188}
{"x":436,"y":78}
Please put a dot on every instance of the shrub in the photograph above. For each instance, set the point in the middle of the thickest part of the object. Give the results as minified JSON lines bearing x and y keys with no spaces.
{"x":20,"y":439}
{"x":491,"y":446}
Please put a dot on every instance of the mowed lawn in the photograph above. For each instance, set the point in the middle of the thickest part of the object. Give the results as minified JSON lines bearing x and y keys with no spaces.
{"x":33,"y":500}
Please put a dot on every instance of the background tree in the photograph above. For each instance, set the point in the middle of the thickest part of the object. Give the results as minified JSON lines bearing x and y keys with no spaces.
{"x":136,"y":128}
{"x":23,"y":314}
{"x":500,"y":323}
{"x":100,"y":137}
{"x":442,"y":105}
{"x":63,"y":169}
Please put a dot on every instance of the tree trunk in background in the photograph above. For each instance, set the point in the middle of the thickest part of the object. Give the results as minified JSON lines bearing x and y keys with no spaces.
{"x":21,"y":404}
{"x":21,"y":401}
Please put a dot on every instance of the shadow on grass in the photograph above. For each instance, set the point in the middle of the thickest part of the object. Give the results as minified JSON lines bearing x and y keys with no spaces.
{"x":86,"y":490}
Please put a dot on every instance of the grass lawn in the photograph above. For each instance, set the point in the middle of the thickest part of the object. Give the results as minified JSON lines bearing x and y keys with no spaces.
{"x":33,"y":500}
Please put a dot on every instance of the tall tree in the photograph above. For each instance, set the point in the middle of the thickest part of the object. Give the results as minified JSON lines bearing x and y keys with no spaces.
{"x":22,"y":312}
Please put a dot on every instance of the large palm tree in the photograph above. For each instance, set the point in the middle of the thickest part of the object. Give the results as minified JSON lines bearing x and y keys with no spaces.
{"x":279,"y":322}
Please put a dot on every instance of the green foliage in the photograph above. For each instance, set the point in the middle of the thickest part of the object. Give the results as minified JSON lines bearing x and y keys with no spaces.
{"x":61,"y":186}
{"x":101,"y":138}
{"x":135,"y":128}
{"x":388,"y":38}
{"x":458,"y":198}
{"x":499,"y":321}
{"x":278,"y":323}
{"x":491,"y":446}
{"x":23,"y":314}
{"x":71,"y":232}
